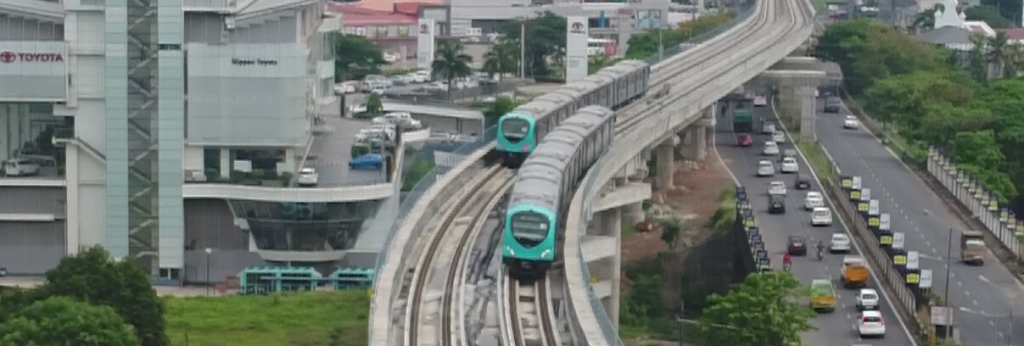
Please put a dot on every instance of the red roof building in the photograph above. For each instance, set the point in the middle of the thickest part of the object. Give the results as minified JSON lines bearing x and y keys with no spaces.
{"x":390,"y":24}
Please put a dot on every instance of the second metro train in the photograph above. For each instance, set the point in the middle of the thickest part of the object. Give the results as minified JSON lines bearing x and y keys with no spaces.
{"x":613,"y":87}
{"x":544,"y":186}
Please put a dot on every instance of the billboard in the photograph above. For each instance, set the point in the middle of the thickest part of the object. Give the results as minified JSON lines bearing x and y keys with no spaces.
{"x":33,"y":71}
{"x":425,"y":43}
{"x":576,"y":58}
{"x":247,"y":94}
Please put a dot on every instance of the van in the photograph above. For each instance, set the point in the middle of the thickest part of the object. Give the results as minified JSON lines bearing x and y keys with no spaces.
{"x":20,"y":167}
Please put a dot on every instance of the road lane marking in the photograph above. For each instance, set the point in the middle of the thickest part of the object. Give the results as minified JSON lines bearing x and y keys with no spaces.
{"x":927,"y":242}
{"x":975,"y":302}
{"x":991,"y":323}
{"x":968,"y":293}
{"x":984,"y":279}
{"x":960,"y":283}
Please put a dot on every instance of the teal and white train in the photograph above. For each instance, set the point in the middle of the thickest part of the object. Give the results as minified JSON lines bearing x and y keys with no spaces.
{"x":613,"y":87}
{"x":544,"y":188}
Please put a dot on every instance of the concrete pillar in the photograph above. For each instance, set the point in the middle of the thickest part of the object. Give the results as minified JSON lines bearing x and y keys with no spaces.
{"x":612,"y":226}
{"x":225,"y":163}
{"x":786,"y":96}
{"x":71,"y":176}
{"x":805,"y":106}
{"x":632,"y":214}
{"x":700,"y":142}
{"x":666,"y":166}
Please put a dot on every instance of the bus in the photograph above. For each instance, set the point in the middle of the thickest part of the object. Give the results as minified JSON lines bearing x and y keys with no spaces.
{"x":601,"y":46}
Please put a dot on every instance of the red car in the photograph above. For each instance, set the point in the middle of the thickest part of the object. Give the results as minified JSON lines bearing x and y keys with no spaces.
{"x":745,"y":140}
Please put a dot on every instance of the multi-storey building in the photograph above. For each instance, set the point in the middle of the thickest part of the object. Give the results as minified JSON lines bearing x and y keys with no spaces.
{"x":153,"y":119}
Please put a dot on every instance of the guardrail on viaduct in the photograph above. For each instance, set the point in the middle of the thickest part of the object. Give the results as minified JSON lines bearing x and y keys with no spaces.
{"x":683,"y":111}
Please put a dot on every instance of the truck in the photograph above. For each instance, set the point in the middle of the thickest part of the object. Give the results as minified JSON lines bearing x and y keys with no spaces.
{"x":855,"y":272}
{"x":972,"y":247}
{"x":823,"y":295}
{"x":742,"y":122}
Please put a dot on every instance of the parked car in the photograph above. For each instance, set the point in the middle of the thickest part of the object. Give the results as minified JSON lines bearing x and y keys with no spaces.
{"x":796,"y":245}
{"x":789,"y":153}
{"x":36,"y":157}
{"x":20,"y":167}
{"x":403,"y":120}
{"x":368,"y":161}
{"x":745,"y":140}
{"x":307,"y":177}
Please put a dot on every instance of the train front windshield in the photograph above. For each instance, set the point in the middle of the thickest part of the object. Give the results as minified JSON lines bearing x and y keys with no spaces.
{"x":515,"y":129}
{"x":530,"y":228}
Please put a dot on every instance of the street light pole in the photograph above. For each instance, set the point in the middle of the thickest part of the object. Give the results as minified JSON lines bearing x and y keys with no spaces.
{"x":208,"y":251}
{"x":522,"y":48}
{"x":945,"y":299}
{"x":661,"y":46}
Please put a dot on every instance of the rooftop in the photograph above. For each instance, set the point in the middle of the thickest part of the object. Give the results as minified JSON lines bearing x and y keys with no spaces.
{"x":385,"y":5}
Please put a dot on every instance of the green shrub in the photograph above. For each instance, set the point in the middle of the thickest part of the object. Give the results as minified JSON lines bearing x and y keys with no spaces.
{"x":360,"y":149}
{"x":725,"y":215}
{"x":286,"y":178}
{"x":420,"y":168}
{"x":256,"y":174}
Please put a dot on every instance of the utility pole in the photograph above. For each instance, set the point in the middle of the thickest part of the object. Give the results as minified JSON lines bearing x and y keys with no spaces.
{"x":945,"y":299}
{"x":522,"y":48}
{"x":661,"y":46}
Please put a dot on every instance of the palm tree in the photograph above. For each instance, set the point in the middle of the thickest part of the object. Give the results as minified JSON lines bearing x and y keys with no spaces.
{"x":999,"y":54}
{"x":450,"y":62}
{"x":502,"y":58}
{"x":925,"y":20}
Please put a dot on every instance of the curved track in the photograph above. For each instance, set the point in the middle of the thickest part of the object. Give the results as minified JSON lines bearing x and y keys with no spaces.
{"x":459,"y":225}
{"x":529,"y":303}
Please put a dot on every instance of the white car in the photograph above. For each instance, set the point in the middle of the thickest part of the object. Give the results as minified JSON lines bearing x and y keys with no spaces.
{"x":344,"y":88}
{"x":770,"y":148}
{"x":768,"y":128}
{"x":821,"y":216}
{"x":401,"y":119}
{"x":789,"y":165}
{"x":307,"y":177}
{"x":871,"y":324}
{"x":851,"y":122}
{"x":777,"y":188}
{"x":867,"y":299}
{"x":840,"y":243}
{"x":813,"y":200}
{"x":779,"y":137}
{"x":765,"y":168}
{"x":20,"y":167}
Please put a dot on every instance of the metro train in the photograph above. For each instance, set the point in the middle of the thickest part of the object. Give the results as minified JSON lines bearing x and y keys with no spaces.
{"x":544,"y":186}
{"x":613,"y":87}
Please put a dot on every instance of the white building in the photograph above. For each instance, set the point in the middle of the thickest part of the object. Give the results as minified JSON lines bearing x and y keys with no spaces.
{"x":134,"y":94}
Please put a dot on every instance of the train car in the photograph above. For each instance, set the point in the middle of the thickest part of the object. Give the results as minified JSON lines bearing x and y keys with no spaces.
{"x":612,"y":87}
{"x":544,"y":186}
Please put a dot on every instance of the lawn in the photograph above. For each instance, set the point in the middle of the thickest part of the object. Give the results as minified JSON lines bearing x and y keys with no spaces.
{"x":305,"y":319}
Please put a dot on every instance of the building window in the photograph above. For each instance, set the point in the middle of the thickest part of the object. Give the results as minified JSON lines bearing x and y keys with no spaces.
{"x":211,"y":159}
{"x":382,"y":31}
{"x":403,"y":31}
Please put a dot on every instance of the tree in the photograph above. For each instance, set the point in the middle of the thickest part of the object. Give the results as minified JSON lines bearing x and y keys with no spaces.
{"x":645,"y":45}
{"x":925,"y":20}
{"x":545,"y":39}
{"x":502,"y":105}
{"x":989,"y":15}
{"x":599,"y":62}
{"x":93,"y":277}
{"x":64,"y":321}
{"x":1006,"y":8}
{"x":998,"y":49}
{"x":355,"y":57}
{"x":670,"y":229}
{"x":502,"y":58}
{"x":764,"y":310}
{"x":374,"y":105}
{"x":450,"y":62}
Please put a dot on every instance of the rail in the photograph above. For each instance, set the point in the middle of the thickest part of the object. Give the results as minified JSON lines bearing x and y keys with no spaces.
{"x":529,"y":297}
{"x":659,"y":119}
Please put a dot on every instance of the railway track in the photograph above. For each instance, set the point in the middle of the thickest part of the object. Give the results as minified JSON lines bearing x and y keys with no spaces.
{"x":451,"y":239}
{"x":530,"y":317}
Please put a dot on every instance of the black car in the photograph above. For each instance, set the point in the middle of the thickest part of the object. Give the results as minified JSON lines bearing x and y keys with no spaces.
{"x":832,"y":104}
{"x":802,"y":182}
{"x":796,"y":245}
{"x":777,"y":204}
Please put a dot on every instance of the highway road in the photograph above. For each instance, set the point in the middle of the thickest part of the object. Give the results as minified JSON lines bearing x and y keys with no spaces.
{"x":837,"y":328}
{"x":988,"y":292}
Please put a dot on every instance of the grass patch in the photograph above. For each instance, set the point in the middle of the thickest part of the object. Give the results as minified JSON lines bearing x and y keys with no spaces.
{"x":315,"y":318}
{"x":628,"y":230}
{"x":725,"y":215}
{"x":817,"y":159}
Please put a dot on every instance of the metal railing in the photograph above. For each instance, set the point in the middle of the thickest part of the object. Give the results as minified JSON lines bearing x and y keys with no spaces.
{"x":481,"y":93}
{"x":412,"y":198}
{"x":1001,"y":222}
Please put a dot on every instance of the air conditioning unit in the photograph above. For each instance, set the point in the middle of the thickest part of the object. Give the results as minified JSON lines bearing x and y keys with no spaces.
{"x":229,"y":23}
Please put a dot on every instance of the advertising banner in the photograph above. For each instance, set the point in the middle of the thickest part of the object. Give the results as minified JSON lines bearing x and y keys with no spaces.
{"x":425,"y":43}
{"x":576,"y":57}
{"x":33,"y":71}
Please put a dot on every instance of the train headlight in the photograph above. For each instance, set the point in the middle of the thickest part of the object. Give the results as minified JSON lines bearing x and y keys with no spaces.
{"x":510,"y":250}
{"x":545,"y":254}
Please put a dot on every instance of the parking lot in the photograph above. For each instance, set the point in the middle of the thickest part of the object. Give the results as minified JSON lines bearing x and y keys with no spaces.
{"x":331,"y":152}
